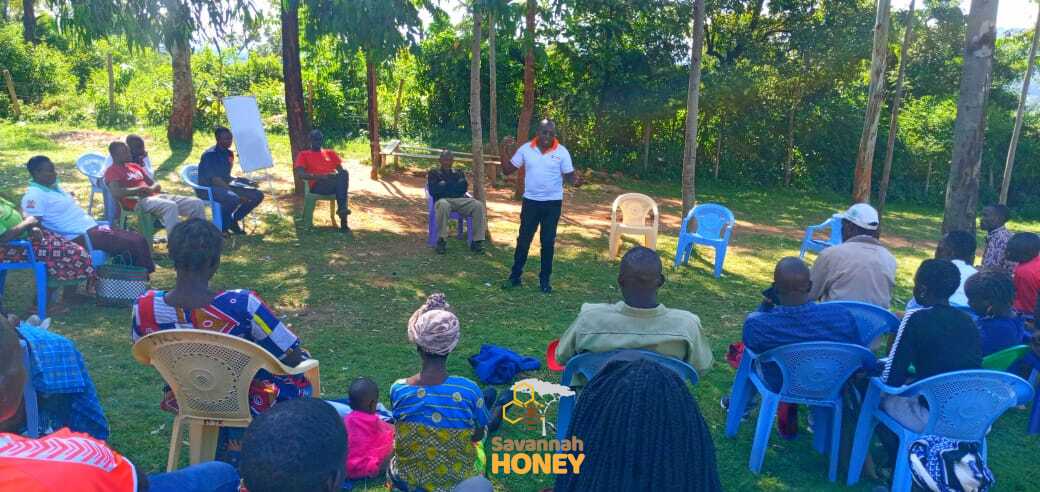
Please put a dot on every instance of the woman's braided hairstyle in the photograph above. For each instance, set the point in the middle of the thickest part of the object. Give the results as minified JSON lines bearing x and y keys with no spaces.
{"x":641,"y":430}
{"x":195,"y":245}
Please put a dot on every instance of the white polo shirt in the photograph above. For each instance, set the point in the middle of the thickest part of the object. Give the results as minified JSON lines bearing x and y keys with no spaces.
{"x":543,"y":179}
{"x":57,"y":211}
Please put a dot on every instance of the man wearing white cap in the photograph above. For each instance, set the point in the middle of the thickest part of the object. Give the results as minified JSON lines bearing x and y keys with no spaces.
{"x":859,"y":269}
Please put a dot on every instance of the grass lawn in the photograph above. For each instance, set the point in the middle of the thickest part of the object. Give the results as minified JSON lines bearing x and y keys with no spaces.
{"x":349,"y":299}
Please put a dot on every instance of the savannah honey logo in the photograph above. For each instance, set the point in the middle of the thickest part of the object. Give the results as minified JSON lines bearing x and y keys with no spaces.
{"x":531,"y":399}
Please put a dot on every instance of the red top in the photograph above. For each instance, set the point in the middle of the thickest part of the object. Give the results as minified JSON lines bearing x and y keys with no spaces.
{"x":64,"y":458}
{"x":1027,"y":285}
{"x":324,"y":161}
{"x":128,"y":175}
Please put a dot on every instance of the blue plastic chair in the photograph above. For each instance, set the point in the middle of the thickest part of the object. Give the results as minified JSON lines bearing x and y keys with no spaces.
{"x":92,"y":165}
{"x":39,"y":273}
{"x":32,"y":408}
{"x":589,"y":363}
{"x":817,"y":245}
{"x":190,"y":175}
{"x":962,"y":405}
{"x":873,"y":321}
{"x":714,"y":226}
{"x":813,"y":374}
{"x":431,"y":209}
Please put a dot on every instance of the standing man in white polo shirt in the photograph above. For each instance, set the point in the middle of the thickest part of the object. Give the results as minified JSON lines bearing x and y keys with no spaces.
{"x":548,"y":165}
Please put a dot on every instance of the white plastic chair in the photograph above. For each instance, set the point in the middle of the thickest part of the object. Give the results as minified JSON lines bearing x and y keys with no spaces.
{"x":210,"y":374}
{"x":634,"y":210}
{"x":92,"y":165}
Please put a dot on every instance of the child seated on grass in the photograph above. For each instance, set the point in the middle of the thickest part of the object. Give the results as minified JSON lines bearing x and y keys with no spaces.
{"x":370,"y":440}
{"x":990,"y":293}
{"x":1024,"y":248}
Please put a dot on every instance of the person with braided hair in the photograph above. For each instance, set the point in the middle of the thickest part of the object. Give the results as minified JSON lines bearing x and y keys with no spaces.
{"x":438,"y":417}
{"x":640,"y":429}
{"x":990,"y":294}
{"x":195,"y":247}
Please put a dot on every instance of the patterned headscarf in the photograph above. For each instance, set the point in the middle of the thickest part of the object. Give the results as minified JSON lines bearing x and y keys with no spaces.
{"x":433,"y":327}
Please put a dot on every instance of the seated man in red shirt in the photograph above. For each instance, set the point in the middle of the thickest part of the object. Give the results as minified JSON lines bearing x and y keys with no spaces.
{"x":67,"y":460}
{"x":324,"y":169}
{"x":130,"y":184}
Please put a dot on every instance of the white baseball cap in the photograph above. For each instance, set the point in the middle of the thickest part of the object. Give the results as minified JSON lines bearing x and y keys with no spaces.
{"x":863,"y":215}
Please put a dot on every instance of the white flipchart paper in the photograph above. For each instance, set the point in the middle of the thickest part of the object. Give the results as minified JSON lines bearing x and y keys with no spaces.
{"x":248,"y":129}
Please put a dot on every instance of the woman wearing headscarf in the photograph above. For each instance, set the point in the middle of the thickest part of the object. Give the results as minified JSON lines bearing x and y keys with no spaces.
{"x":438,"y":417}
{"x":641,"y":430}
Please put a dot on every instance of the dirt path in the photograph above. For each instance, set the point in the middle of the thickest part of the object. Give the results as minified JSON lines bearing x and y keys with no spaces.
{"x":398,"y":204}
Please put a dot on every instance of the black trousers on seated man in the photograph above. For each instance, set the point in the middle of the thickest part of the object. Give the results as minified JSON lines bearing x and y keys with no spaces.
{"x":534,"y":215}
{"x":334,"y":184}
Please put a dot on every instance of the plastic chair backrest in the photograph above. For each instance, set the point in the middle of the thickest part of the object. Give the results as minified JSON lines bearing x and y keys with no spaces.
{"x":92,"y":165}
{"x":190,"y":176}
{"x":834,"y":223}
{"x":1003,"y":359}
{"x":32,"y":409}
{"x":635,"y":207}
{"x":713,"y":220}
{"x":816,"y":370}
{"x":209,"y":372}
{"x":589,"y":363}
{"x":872,"y":320}
{"x":964,"y":404}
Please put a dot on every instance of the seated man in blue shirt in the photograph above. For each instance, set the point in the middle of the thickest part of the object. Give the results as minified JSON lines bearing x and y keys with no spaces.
{"x":788,"y":315}
{"x":237,"y":196}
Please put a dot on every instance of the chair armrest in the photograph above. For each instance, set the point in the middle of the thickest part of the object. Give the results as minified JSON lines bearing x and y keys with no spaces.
{"x":310,"y":371}
{"x":22,"y":243}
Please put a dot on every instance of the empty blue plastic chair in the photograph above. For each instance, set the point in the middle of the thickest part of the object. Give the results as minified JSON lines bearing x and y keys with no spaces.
{"x":92,"y":165}
{"x":190,"y":175}
{"x":431,"y":209}
{"x":817,"y":245}
{"x":873,"y":321}
{"x":813,"y":374}
{"x":39,"y":273}
{"x":589,"y":363}
{"x":32,"y":408}
{"x":714,"y":225}
{"x":962,"y":405}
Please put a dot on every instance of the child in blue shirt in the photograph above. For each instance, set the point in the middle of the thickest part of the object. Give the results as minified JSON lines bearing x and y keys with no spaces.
{"x":990,"y":294}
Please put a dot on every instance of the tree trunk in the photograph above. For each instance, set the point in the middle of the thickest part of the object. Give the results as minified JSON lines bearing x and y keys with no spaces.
{"x":296,"y":117}
{"x":475,"y":128}
{"x":492,"y":92}
{"x":962,"y":189}
{"x":648,"y":130}
{"x":523,"y":126}
{"x":397,"y":106}
{"x":1009,"y":165}
{"x":181,"y":128}
{"x":789,"y":161}
{"x":111,"y":86}
{"x":4,"y":5}
{"x":29,"y":21}
{"x":371,"y":84}
{"x":689,"y":190}
{"x":897,"y":101}
{"x":876,"y":95}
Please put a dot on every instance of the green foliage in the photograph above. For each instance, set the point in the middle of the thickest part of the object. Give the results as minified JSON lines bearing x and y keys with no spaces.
{"x":38,"y":71}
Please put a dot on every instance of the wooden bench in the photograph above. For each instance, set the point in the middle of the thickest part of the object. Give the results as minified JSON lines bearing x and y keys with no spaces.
{"x":396,"y":149}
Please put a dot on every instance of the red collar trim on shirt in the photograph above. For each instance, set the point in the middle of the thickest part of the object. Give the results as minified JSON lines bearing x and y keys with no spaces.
{"x":534,"y":145}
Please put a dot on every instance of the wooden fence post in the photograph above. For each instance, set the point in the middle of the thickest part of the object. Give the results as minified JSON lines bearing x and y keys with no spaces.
{"x":11,"y":93}
{"x":111,"y":88}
